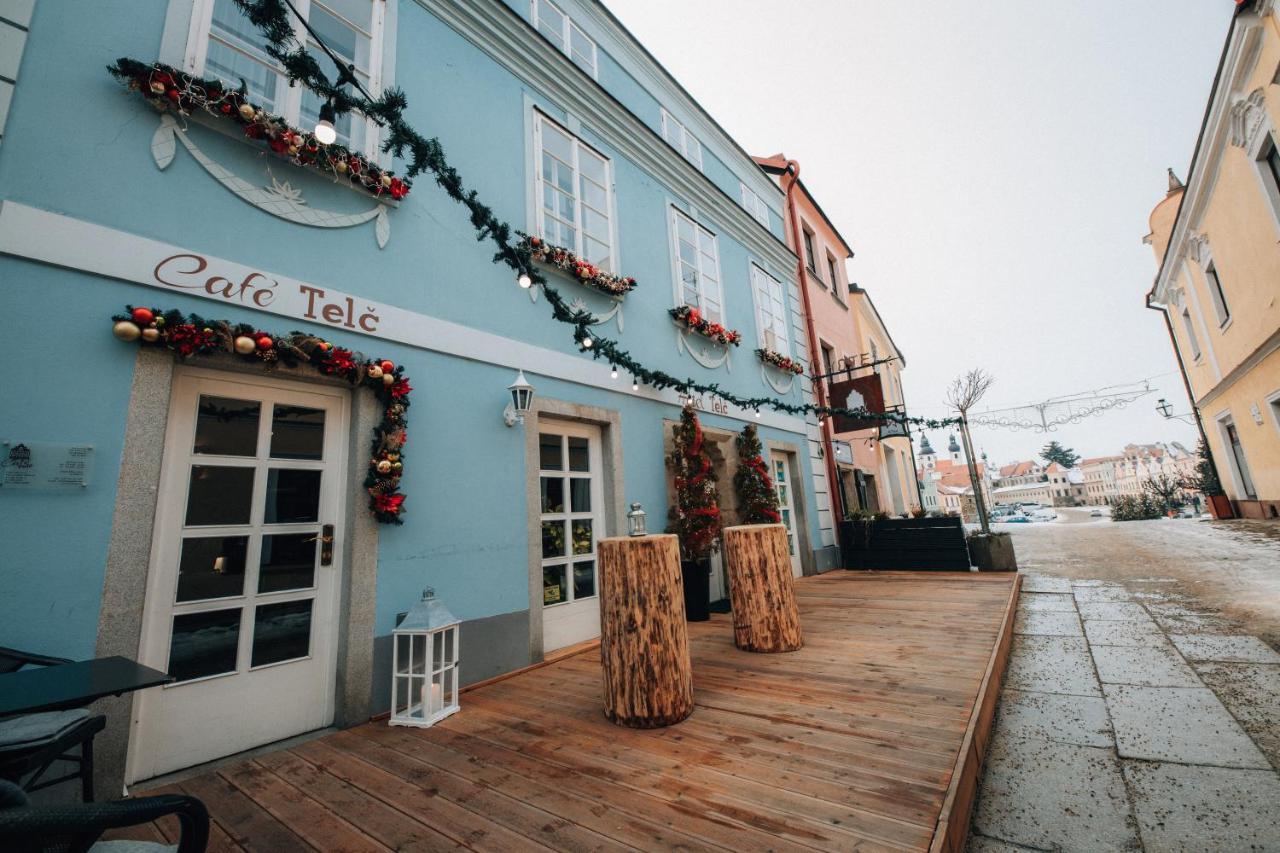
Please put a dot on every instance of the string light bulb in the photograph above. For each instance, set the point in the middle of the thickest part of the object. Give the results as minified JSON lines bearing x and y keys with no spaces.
{"x":524,"y":281}
{"x":325,"y":133}
{"x":757,"y":413}
{"x":635,"y":386}
{"x":613,"y":372}
{"x":586,"y":341}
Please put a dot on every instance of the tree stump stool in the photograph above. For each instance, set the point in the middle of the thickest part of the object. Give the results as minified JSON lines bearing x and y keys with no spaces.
{"x":644,"y":641}
{"x":765,"y":617}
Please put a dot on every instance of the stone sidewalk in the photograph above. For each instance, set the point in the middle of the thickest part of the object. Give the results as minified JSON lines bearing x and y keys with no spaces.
{"x":1131,"y":721}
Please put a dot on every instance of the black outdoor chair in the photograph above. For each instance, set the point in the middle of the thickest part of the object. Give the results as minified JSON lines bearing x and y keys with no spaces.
{"x":75,"y":828}
{"x":30,"y":744}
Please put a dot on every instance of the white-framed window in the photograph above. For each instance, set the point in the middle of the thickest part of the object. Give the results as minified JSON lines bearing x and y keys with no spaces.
{"x":1190,"y":328}
{"x":574,"y":189}
{"x":754,"y":205}
{"x":561,"y":31}
{"x":833,"y":272}
{"x":224,"y":44}
{"x":809,"y":257}
{"x":681,"y":139}
{"x":697,"y":267}
{"x":771,"y":312}
{"x":1266,"y":162}
{"x":1216,"y":293}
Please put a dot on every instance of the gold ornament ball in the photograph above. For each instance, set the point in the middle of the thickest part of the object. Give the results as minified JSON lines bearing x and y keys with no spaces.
{"x":246,"y":112}
{"x":126,"y":330}
{"x":388,"y":379}
{"x":245,"y":345}
{"x":384,"y":466}
{"x":375,"y":372}
{"x":386,"y":180}
{"x":340,"y":167}
{"x":397,"y":465}
{"x":151,"y":335}
{"x":157,"y":87}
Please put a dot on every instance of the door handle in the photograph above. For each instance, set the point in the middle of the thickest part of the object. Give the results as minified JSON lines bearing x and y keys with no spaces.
{"x":326,"y":544}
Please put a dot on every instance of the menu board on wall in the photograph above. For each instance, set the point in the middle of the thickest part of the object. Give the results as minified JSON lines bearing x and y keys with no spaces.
{"x":44,"y":466}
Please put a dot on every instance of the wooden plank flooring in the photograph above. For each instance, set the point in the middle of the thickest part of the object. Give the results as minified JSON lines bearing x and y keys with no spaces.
{"x":870,"y":738}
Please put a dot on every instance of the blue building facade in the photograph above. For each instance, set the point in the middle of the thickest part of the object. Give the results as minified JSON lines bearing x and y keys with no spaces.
{"x":198,"y":543}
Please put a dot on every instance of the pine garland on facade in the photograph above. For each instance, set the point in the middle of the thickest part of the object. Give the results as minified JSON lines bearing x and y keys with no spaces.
{"x":424,"y":155}
{"x":695,"y":516}
{"x":187,"y":335}
{"x":757,"y":499}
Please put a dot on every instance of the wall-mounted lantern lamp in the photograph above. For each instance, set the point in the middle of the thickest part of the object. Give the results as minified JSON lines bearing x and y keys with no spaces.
{"x":637,"y":522}
{"x":521,"y":399}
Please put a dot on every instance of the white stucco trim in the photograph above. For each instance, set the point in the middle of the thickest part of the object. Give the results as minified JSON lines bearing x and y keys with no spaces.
{"x":58,"y":240}
{"x":1197,"y":314}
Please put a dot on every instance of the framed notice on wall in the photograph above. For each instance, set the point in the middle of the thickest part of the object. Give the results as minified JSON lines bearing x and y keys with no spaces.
{"x":44,"y":466}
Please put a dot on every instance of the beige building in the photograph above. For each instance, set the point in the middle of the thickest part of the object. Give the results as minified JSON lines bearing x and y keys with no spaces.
{"x":1100,"y":479}
{"x":1217,"y":244}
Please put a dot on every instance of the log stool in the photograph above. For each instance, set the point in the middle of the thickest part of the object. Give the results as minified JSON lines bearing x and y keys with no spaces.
{"x":765,"y":617}
{"x":644,"y":641}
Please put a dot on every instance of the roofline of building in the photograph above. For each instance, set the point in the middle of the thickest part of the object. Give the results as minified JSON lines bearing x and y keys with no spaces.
{"x":1241,"y":7}
{"x":777,"y":165}
{"x":853,"y":288}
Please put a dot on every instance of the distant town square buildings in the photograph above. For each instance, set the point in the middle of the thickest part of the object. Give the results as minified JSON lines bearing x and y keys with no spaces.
{"x":1217,"y":245}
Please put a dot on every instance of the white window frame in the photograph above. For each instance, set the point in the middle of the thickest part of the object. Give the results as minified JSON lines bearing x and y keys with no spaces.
{"x":289,"y":103}
{"x":768,"y":302}
{"x":754,"y":205}
{"x":807,"y":237}
{"x":684,"y":141}
{"x":540,"y":119}
{"x":1216,"y":294}
{"x":1188,"y":326}
{"x":568,"y":30}
{"x":677,"y":281}
{"x":1268,"y":178}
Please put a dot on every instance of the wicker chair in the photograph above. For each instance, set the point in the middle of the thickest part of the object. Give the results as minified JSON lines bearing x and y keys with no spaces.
{"x":75,"y":828}
{"x":32,"y":743}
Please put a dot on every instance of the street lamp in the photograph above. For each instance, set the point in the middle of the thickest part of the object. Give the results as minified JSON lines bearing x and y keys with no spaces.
{"x":1163,"y":407}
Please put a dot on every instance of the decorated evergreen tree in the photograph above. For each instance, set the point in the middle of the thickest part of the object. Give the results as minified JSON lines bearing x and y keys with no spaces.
{"x":1064,"y":456}
{"x":695,"y":517}
{"x":1205,"y":480}
{"x":757,"y":500}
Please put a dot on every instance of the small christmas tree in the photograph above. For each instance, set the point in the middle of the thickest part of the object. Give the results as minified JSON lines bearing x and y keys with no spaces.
{"x":695,"y":518}
{"x":757,"y":500}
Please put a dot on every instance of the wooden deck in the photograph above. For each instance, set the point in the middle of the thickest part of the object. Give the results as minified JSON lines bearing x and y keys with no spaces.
{"x":871,"y":737}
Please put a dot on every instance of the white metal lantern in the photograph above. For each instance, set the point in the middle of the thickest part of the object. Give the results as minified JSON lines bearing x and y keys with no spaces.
{"x":424,"y":664}
{"x":636,"y":521}
{"x":521,"y":399}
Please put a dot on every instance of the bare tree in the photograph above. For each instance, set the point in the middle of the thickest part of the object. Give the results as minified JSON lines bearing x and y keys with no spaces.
{"x":962,"y":395}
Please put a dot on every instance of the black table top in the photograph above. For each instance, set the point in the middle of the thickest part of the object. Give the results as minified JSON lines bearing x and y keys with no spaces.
{"x":73,"y":685}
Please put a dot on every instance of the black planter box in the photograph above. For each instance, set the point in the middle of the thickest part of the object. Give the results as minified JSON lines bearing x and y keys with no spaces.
{"x":696,"y":579}
{"x":925,"y":544}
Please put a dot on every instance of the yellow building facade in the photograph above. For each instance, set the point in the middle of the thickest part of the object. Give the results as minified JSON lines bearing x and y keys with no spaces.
{"x":1217,"y":244}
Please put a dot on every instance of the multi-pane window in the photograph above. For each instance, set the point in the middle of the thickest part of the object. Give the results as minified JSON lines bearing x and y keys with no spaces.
{"x":697,"y":267}
{"x":831,"y":271}
{"x":681,"y":139}
{"x":1191,"y":333}
{"x":230,"y":48}
{"x":772,"y":311}
{"x":754,"y":205}
{"x":574,"y":190}
{"x":561,"y":31}
{"x":1216,"y":294}
{"x":808,"y":251}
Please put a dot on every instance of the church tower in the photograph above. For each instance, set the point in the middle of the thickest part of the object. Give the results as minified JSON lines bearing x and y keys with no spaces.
{"x":928,"y":458}
{"x":954,"y":449}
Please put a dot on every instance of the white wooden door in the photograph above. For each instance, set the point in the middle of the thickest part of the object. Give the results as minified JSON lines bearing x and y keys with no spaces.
{"x":571,"y":517}
{"x":786,"y":507}
{"x":242,"y":591}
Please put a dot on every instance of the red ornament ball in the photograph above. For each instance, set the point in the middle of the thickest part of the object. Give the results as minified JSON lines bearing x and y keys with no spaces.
{"x":387,"y":366}
{"x":226,"y":109}
{"x":143,"y":316}
{"x":264,"y":343}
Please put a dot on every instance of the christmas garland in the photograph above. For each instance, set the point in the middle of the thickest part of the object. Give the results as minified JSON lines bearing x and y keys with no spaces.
{"x":169,"y":89}
{"x":189,"y":335}
{"x":691,"y":318}
{"x":780,"y":361}
{"x":589,"y":275}
{"x":427,"y":155}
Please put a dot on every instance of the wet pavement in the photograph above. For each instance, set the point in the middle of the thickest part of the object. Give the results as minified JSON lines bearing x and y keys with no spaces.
{"x":1141,"y":707}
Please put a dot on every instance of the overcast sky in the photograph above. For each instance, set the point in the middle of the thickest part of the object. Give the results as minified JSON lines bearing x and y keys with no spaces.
{"x":993,"y":165}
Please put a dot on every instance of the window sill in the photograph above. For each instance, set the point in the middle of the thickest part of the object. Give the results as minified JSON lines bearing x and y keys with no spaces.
{"x":1225,"y":324}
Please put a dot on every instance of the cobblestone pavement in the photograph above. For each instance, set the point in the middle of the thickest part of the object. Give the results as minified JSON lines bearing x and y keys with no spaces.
{"x":1141,"y":707}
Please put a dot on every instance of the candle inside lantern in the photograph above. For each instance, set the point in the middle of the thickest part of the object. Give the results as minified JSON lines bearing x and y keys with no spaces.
{"x":433,"y":701}
{"x":219,"y":563}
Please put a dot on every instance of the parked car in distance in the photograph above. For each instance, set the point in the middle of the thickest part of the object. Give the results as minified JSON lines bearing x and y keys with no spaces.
{"x":1016,"y":519}
{"x":1044,"y":514}
{"x":1096,"y":512}
{"x":1029,"y":508}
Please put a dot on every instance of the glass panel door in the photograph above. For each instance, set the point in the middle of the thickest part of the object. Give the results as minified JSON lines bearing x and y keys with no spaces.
{"x":571,"y":518}
{"x":786,"y":507}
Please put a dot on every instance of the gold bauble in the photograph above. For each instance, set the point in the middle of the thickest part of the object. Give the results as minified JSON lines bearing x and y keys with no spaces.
{"x":151,"y":335}
{"x":126,"y":330}
{"x":245,"y":344}
{"x":388,"y":379}
{"x":384,"y":466}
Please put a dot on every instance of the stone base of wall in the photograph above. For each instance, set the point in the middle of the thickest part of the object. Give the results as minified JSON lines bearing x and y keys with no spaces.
{"x":1264,"y":509}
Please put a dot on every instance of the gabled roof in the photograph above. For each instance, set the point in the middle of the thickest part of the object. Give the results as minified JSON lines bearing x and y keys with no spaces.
{"x":777,"y":165}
